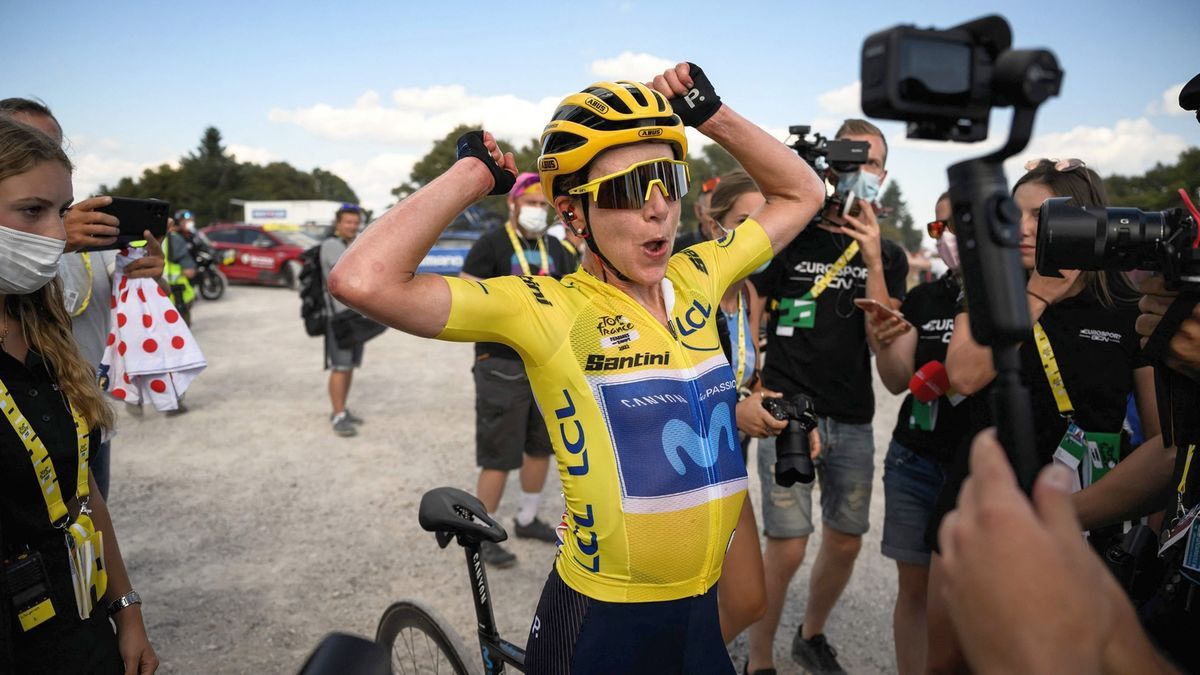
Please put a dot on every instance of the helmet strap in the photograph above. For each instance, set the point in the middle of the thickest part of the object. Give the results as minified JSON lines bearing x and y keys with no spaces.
{"x":594,"y":246}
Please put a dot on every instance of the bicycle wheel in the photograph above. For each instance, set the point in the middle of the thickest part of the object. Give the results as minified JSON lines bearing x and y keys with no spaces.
{"x":421,"y":642}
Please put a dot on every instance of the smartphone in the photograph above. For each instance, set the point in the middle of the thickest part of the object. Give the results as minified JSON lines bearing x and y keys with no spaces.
{"x":876,"y":308}
{"x":136,"y":216}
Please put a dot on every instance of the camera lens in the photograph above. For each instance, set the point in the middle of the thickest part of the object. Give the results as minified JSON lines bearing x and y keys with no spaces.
{"x":1074,"y":238}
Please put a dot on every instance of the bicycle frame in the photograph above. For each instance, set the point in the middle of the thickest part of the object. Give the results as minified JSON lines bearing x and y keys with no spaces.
{"x":496,"y":651}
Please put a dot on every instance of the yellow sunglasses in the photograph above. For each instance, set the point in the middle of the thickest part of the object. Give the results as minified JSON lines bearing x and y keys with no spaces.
{"x":630,"y":188}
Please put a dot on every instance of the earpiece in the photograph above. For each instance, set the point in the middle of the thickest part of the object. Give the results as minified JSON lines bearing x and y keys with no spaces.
{"x":568,"y":215}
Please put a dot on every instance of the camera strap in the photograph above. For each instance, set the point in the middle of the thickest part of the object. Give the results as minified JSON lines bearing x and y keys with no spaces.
{"x":802,"y":312}
{"x":519,"y":250}
{"x":834,"y":270}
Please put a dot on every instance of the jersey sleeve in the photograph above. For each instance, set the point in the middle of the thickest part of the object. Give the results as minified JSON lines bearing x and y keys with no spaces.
{"x":715,"y":265}
{"x":513,"y":311}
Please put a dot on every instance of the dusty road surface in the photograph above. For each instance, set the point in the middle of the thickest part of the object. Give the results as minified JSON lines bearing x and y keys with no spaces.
{"x":252,"y":531}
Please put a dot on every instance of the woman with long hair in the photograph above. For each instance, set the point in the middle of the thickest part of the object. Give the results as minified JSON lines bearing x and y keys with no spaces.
{"x":1080,"y":365}
{"x":63,"y":576}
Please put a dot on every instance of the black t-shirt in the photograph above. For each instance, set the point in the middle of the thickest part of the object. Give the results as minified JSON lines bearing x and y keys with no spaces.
{"x":829,"y":362}
{"x":493,"y":255}
{"x":1097,"y":350}
{"x":23,"y":515}
{"x":931,"y":308}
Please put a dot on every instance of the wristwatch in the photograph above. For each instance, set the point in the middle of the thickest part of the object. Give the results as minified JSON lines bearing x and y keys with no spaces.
{"x":130,"y":598}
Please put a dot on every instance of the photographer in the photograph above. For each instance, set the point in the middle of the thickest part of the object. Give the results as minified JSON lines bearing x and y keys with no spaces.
{"x":818,"y":346}
{"x":929,"y":429}
{"x":1080,"y":368}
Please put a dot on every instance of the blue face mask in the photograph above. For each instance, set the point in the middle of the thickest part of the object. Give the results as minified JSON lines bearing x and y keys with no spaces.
{"x":864,"y":184}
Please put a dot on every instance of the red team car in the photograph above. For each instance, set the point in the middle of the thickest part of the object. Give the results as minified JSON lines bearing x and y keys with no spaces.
{"x":260,"y":255}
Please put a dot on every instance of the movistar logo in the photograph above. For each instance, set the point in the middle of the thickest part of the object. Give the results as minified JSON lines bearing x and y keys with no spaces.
{"x":678,"y":437}
{"x":601,"y":362}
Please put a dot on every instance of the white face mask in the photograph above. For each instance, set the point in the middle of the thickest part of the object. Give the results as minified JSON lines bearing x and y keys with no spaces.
{"x":27,"y":261}
{"x":947,"y":247}
{"x":533,"y":219}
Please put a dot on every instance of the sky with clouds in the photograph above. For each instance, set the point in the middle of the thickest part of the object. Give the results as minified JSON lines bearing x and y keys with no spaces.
{"x":363,"y":88}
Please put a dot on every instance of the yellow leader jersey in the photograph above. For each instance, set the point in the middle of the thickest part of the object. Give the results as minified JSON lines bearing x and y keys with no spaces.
{"x":641,"y":415}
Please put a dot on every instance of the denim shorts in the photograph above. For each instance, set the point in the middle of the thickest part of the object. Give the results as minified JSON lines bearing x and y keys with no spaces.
{"x":845,"y":471}
{"x":911,"y":484}
{"x":339,"y":359}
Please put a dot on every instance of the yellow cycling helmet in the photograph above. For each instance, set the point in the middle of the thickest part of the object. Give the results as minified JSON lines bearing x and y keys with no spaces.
{"x":603,"y":116}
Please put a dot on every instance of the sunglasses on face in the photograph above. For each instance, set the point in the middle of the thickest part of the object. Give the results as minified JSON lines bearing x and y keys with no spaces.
{"x":936,"y":228}
{"x":630,"y":188}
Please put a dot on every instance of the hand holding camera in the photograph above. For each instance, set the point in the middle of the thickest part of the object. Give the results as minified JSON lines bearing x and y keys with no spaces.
{"x":793,"y":450}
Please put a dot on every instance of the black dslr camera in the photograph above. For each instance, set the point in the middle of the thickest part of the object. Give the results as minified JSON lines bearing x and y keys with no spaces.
{"x":793,"y":455}
{"x":944,"y":83}
{"x":1077,"y":238}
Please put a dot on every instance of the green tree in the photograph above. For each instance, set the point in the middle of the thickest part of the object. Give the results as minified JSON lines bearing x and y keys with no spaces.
{"x":209,"y":177}
{"x":895,"y":220}
{"x":1157,"y":189}
{"x":444,"y":153}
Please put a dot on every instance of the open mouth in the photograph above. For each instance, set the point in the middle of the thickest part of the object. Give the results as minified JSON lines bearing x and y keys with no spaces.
{"x":656,"y":247}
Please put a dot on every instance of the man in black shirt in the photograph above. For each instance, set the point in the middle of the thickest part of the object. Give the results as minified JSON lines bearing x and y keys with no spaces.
{"x":818,"y":345}
{"x":509,"y":431}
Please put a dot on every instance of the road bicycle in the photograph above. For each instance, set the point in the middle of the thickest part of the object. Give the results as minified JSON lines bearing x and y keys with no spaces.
{"x":419,"y":639}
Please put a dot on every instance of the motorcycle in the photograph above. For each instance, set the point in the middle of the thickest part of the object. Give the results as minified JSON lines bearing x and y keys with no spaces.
{"x":210,"y":280}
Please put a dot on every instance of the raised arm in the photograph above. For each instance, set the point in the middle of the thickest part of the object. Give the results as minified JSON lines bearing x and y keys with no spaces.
{"x":792,"y":190}
{"x":377,"y":275}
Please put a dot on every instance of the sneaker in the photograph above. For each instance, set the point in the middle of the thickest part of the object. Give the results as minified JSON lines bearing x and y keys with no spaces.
{"x":494,"y":555}
{"x":354,"y":419}
{"x":535,"y":529}
{"x":342,"y":426}
{"x":815,"y":654}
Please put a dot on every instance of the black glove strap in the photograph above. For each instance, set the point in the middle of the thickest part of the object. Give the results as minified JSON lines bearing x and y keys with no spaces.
{"x":471,"y":144}
{"x":700,"y":102}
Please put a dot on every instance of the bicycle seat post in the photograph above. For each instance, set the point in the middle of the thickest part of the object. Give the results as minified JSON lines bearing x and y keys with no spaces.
{"x":481,"y":595}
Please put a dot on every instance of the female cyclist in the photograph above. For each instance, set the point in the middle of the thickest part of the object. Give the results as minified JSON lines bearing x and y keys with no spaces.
{"x":623,"y":356}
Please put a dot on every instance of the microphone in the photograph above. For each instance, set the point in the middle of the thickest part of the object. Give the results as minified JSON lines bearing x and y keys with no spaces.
{"x":930,"y":382}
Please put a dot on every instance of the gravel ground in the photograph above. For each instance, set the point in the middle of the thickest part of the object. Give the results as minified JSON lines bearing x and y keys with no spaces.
{"x":252,"y":531}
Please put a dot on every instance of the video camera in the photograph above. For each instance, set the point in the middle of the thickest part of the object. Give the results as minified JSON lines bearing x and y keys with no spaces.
{"x":944,"y":83}
{"x":825,"y":155}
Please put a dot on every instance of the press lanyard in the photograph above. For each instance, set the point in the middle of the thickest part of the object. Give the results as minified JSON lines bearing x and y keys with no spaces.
{"x":87,"y":265}
{"x":520,"y":251}
{"x":1053,"y":374}
{"x":741,"y":341}
{"x":1187,"y":468}
{"x":824,"y":280}
{"x":43,"y":467}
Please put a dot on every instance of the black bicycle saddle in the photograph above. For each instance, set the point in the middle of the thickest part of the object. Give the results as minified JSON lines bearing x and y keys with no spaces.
{"x":451,"y":510}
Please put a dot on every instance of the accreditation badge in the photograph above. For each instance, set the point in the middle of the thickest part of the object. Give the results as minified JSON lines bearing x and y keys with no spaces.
{"x":1104,"y":451}
{"x":923,"y":416}
{"x":795,"y":313}
{"x":1071,"y":451}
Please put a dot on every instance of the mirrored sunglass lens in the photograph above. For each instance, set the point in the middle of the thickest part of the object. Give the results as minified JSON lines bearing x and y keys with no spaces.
{"x":628,"y":190}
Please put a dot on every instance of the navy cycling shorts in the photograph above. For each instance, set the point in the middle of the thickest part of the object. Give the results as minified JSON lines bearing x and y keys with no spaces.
{"x":573,"y":634}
